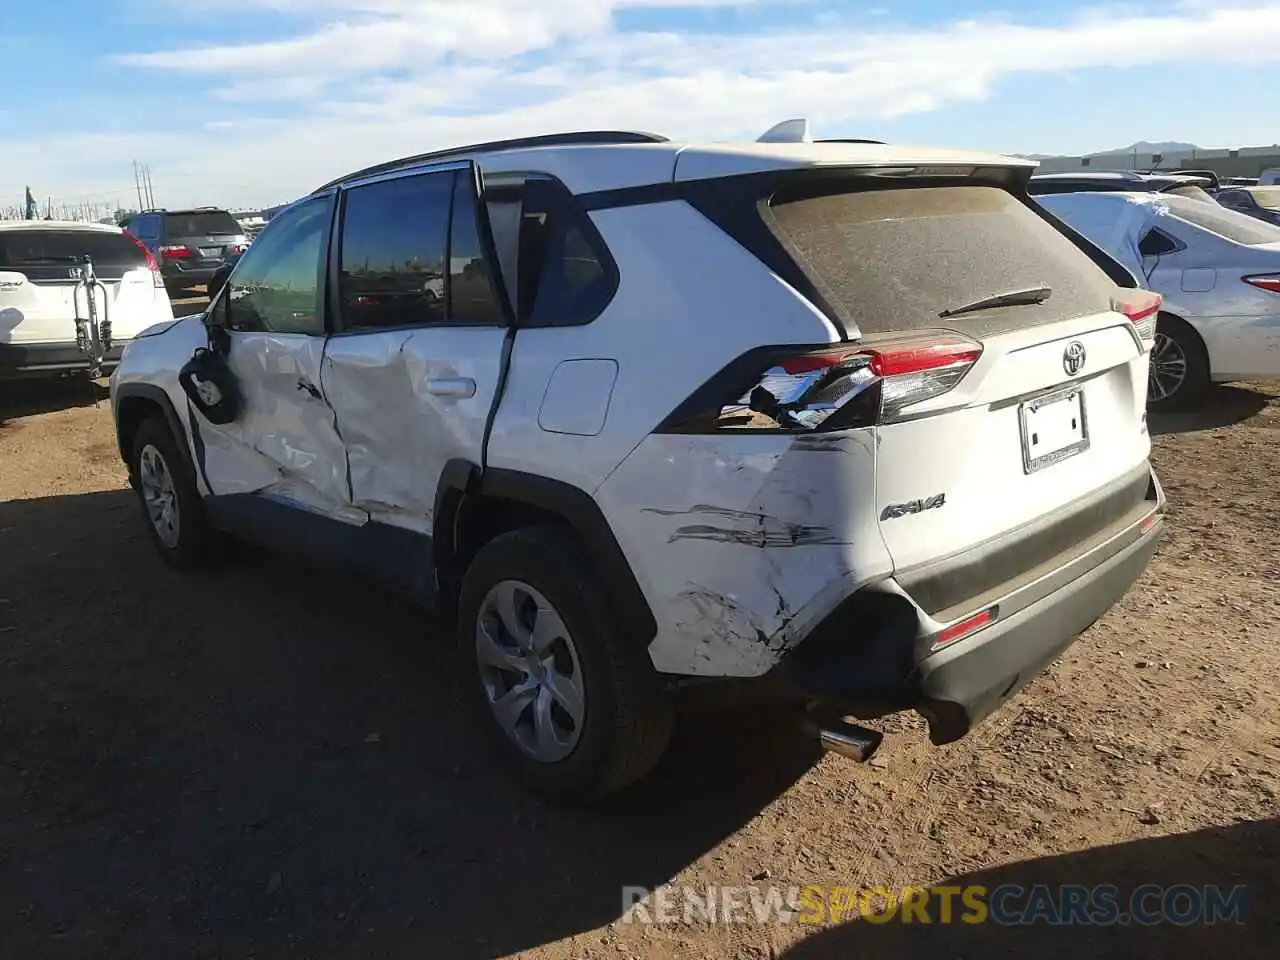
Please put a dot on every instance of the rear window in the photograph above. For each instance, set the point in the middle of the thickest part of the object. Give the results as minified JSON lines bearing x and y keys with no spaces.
{"x":1268,"y":197}
{"x":1192,"y":192}
{"x":206,"y":223}
{"x":50,"y":254}
{"x":1239,"y":227}
{"x":894,"y":259}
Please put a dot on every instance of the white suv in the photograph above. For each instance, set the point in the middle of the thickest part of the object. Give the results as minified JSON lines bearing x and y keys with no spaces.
{"x":855,"y":424}
{"x":71,"y":295}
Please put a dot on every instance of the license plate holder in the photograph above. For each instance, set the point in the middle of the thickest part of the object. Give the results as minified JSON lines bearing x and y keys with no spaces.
{"x":1054,"y":427}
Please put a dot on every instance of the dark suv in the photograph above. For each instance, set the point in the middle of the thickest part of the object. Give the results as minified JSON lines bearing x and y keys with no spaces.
{"x":189,"y":245}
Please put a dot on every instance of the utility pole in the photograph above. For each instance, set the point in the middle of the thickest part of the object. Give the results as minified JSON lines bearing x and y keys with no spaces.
{"x":137,"y":183}
{"x":151,"y":197}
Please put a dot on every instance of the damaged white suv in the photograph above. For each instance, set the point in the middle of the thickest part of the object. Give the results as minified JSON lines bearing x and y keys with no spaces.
{"x":855,"y":424}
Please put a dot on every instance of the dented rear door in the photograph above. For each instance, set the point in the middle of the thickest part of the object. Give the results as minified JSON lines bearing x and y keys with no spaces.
{"x":413,"y":369}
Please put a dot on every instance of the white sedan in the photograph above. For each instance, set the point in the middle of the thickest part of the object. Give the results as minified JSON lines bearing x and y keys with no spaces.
{"x":1219,"y":274}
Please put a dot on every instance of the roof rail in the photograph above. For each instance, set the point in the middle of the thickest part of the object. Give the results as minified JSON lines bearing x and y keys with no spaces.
{"x":494,"y":146}
{"x":850,"y":140}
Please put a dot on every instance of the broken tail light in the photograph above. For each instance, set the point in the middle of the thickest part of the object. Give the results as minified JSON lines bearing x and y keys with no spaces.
{"x":1142,"y":307}
{"x":798,"y":389}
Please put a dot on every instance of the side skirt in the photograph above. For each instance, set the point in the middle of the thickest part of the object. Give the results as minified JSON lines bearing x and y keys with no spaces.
{"x":391,"y":556}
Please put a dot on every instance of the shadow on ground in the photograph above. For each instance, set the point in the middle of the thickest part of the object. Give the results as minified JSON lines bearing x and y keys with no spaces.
{"x":266,"y":759}
{"x":28,"y":398}
{"x":1221,"y":407}
{"x":1242,"y":855}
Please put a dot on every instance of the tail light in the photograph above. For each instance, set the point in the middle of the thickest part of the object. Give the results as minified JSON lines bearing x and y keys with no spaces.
{"x":177,"y":252}
{"x":1270,"y":282}
{"x":797,"y":389}
{"x":154,"y":267}
{"x":1142,"y":307}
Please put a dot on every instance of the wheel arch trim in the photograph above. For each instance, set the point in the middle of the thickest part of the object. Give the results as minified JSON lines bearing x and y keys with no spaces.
{"x":156,"y":397}
{"x":462,"y":478}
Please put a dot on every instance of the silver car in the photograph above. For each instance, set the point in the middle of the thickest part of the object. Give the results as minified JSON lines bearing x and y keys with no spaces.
{"x":1219,"y":274}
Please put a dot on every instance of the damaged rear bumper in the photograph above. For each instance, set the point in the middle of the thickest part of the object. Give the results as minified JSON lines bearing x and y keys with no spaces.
{"x":907,"y":659}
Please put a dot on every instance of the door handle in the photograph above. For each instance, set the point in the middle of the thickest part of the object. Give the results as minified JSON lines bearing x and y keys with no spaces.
{"x":462,"y":387}
{"x":306,"y":386}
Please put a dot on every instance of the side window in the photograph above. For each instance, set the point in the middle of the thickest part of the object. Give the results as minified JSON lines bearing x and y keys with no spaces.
{"x":566,"y":276}
{"x":473,"y":298}
{"x":276,"y":285}
{"x":394,"y":237}
{"x":1157,"y":244}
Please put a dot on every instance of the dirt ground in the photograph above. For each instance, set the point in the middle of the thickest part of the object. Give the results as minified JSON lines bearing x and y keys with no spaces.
{"x":265,"y":761}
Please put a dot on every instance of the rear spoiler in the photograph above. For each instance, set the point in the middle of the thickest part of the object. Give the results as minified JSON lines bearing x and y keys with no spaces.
{"x":1203,"y":178}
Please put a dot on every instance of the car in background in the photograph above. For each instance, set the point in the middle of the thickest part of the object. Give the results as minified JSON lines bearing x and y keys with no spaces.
{"x":1261,"y":203}
{"x":189,"y":245}
{"x":1218,"y":271}
{"x":1122,"y":181}
{"x":42,"y":294}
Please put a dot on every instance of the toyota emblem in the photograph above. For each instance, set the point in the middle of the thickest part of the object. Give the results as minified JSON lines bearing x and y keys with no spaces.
{"x":1073,"y":358}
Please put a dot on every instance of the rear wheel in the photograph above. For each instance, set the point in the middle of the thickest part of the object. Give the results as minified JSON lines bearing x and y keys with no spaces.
{"x":1179,"y":372}
{"x":171,"y":503}
{"x":572,"y":701}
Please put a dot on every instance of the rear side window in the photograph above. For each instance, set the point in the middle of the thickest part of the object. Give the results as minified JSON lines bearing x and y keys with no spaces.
{"x":473,"y":298}
{"x":566,"y":275}
{"x":394,"y":236}
{"x":1234,"y":226}
{"x":412,"y":255}
{"x":1157,"y":244}
{"x":203,"y":223}
{"x":48,"y":255}
{"x":893,"y":259}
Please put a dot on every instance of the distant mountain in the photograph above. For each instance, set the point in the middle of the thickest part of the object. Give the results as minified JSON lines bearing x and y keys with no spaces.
{"x":1142,"y":146}
{"x":1145,"y":146}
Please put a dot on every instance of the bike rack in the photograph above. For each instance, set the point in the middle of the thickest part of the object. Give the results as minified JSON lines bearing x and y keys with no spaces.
{"x":93,"y":336}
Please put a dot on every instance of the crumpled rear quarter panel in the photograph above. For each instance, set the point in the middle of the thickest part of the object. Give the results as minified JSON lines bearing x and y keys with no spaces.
{"x":743,"y":543}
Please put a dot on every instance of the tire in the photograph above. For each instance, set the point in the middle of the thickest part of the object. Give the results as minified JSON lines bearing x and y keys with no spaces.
{"x":623,"y":723}
{"x":189,"y":542}
{"x":1178,"y":349}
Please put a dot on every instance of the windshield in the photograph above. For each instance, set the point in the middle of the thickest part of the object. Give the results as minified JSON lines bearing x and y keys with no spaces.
{"x":1268,"y":197}
{"x":210,"y":223}
{"x":1234,"y":226}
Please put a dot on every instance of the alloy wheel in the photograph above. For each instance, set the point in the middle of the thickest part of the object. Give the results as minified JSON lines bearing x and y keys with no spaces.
{"x":1168,"y":370}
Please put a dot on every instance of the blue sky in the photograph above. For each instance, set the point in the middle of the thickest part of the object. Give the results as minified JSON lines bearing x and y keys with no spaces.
{"x":256,"y":101}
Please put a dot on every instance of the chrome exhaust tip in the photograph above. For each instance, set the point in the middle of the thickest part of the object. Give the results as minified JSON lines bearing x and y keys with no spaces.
{"x":837,"y":735}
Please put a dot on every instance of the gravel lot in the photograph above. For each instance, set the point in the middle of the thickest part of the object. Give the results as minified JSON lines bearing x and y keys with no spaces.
{"x":267,"y":760}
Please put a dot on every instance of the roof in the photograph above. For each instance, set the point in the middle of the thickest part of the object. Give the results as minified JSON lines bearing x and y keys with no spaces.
{"x":58,"y":225}
{"x":620,"y":159}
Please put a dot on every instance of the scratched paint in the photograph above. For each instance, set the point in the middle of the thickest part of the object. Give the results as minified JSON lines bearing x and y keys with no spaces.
{"x":744,"y":543}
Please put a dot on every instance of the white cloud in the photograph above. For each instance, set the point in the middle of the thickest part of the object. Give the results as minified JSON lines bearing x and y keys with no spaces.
{"x":363,"y":80}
